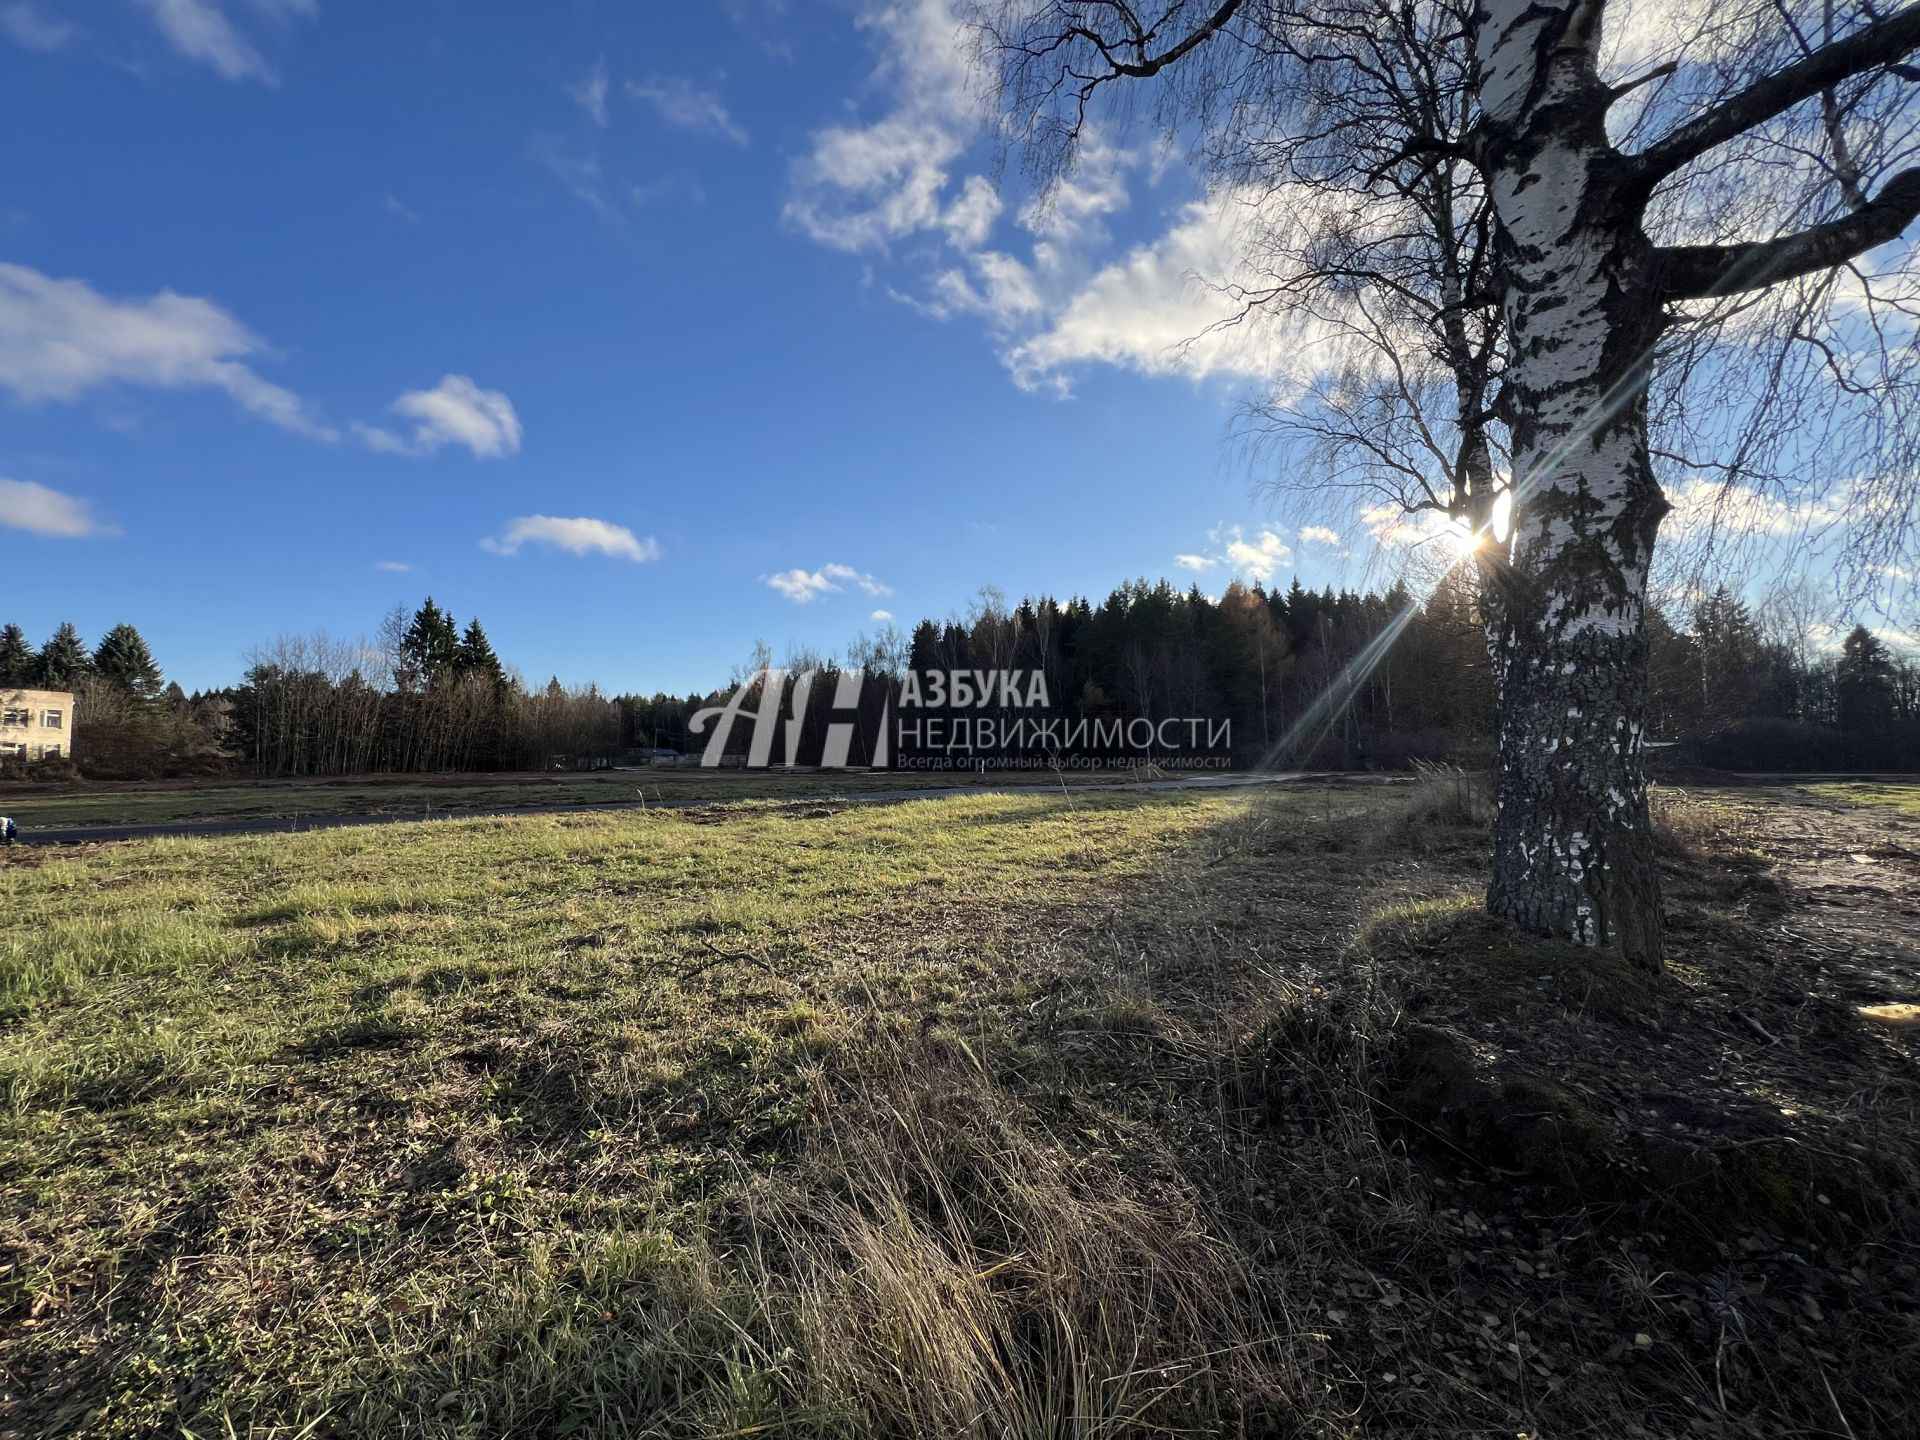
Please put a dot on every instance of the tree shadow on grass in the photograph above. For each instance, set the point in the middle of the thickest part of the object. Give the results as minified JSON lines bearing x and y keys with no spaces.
{"x":1133,"y":1159}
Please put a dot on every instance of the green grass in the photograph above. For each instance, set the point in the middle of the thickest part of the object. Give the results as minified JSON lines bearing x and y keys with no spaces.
{"x":437,"y":1130}
{"x":1904,"y":798}
{"x":1006,"y":1117}
{"x":135,"y":803}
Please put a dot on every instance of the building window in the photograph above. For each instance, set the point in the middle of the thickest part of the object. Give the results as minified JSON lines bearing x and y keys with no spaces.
{"x":51,"y":719}
{"x":49,"y":752}
{"x":12,"y":750}
{"x":16,"y":717}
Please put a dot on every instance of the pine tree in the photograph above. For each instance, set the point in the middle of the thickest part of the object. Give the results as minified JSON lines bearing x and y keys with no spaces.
{"x":1730,"y":657}
{"x":16,"y":656}
{"x":431,"y":647}
{"x":62,"y":660}
{"x":1864,"y":682}
{"x":475,"y":656}
{"x":123,"y":660}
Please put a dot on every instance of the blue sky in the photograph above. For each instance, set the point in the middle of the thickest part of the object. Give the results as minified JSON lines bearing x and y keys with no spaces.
{"x":642,"y":335}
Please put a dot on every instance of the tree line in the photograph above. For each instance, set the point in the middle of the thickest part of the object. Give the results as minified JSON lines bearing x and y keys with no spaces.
{"x":1325,"y":678}
{"x":1319,"y":678}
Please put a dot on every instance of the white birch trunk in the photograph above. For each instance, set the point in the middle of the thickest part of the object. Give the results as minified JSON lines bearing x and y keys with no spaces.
{"x":1573,"y":847}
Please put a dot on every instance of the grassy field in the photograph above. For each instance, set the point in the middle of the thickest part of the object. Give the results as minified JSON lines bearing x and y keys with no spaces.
{"x":1904,"y":798}
{"x":136,"y":802}
{"x":1010,"y":1116}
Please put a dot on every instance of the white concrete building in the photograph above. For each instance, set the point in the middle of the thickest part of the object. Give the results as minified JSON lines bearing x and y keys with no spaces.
{"x":35,"y":724}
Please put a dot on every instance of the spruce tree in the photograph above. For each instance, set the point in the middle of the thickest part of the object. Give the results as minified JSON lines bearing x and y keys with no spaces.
{"x":475,"y":656}
{"x":16,"y":656}
{"x":124,"y":661}
{"x":62,"y":660}
{"x":1864,"y":683}
{"x":432,"y":644}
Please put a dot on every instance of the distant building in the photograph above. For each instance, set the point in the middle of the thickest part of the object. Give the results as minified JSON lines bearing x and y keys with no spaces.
{"x":35,"y":724}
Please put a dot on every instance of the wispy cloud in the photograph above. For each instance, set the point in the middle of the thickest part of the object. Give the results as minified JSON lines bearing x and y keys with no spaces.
{"x":394,"y":567}
{"x":1319,"y":535}
{"x":685,"y":106}
{"x":581,"y":535}
{"x":576,"y":168}
{"x":201,"y":31}
{"x":590,"y":94}
{"x":454,"y":412}
{"x":60,"y":339}
{"x":401,"y":211}
{"x":1258,"y":557}
{"x":884,"y":617}
{"x":863,"y":185}
{"x":805,"y":586}
{"x":1066,"y":300}
{"x":37,"y":510}
{"x":31,"y":30}
{"x":858,"y":578}
{"x":1396,"y":529}
{"x":1704,"y":507}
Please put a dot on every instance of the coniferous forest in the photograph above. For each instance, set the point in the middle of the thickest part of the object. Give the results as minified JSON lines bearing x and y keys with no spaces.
{"x":1286,"y":666}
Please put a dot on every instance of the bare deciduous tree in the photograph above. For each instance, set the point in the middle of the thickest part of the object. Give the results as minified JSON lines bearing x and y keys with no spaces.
{"x":1529,"y":246}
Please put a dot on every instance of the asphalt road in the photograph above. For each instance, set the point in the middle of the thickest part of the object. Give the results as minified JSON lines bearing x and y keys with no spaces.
{"x":288,"y":825}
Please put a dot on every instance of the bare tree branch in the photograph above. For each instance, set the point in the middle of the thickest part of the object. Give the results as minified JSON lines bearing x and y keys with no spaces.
{"x":1875,"y":46}
{"x":1692,"y":272}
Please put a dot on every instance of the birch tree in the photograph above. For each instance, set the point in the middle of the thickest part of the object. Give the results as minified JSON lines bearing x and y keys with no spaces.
{"x":1626,"y":241}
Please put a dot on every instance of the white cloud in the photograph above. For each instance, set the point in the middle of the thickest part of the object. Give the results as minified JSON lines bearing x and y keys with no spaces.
{"x":1075,"y":208}
{"x":30,"y":30}
{"x":1163,"y":310}
{"x":61,"y":338}
{"x":1319,"y":535}
{"x":860,"y":578}
{"x":1005,"y":291}
{"x":201,"y":31}
{"x":1711,"y":507}
{"x":969,"y":219}
{"x":1258,"y":557}
{"x":394,"y":567}
{"x":590,"y":94}
{"x":800,"y":586}
{"x":397,"y":208}
{"x":454,"y":412}
{"x":580,"y":536}
{"x":863,"y":185}
{"x":685,"y":106}
{"x":1396,"y":529}
{"x":1175,"y":305}
{"x":805,"y":586}
{"x":40,"y":511}
{"x":885,"y":617}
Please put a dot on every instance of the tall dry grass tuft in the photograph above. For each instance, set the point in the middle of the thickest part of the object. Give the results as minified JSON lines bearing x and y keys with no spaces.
{"x":1683,"y":828}
{"x":954,"y":1265}
{"x":1447,"y":795}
